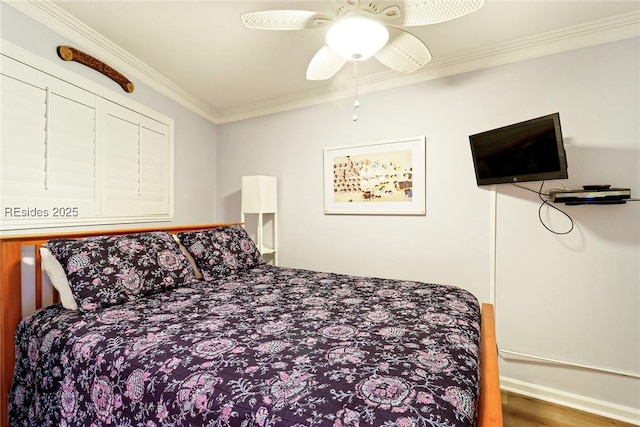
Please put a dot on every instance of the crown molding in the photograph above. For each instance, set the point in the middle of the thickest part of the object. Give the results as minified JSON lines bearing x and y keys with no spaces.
{"x":56,"y":19}
{"x":580,"y":36}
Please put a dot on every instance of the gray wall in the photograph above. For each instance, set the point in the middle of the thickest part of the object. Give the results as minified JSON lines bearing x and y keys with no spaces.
{"x":573,"y":297}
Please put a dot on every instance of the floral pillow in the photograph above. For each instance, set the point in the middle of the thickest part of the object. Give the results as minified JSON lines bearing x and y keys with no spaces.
{"x":110,"y":270}
{"x":221,"y":251}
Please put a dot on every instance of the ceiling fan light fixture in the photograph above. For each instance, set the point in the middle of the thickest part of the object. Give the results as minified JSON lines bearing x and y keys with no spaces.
{"x":356,"y":37}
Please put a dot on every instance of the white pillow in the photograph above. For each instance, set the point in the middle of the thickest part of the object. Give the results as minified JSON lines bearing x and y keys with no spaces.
{"x":58,"y":278}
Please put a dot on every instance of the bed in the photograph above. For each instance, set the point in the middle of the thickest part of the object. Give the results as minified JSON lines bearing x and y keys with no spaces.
{"x":209,"y":334}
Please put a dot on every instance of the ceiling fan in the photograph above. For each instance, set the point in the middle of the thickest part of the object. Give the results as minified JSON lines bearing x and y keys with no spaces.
{"x":361,"y":29}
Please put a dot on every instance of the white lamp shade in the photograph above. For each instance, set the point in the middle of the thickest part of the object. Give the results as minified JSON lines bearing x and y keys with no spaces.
{"x":259,"y":194}
{"x":357,"y":37}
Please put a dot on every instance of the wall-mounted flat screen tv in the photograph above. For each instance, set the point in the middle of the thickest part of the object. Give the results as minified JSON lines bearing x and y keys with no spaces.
{"x":532,"y":150}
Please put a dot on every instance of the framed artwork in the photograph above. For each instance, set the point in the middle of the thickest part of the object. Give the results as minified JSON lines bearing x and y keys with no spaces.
{"x":386,"y":178}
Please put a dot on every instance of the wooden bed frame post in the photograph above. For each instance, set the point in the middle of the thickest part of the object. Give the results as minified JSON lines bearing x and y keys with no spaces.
{"x":489,"y":404}
{"x":10,"y":314}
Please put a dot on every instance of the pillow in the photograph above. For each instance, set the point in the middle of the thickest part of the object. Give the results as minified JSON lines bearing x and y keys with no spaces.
{"x":110,"y":270}
{"x":221,"y":251}
{"x":192,"y":262}
{"x":58,"y":278}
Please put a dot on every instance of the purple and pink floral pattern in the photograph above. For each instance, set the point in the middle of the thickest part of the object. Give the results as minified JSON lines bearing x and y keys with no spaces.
{"x":267,"y":346}
{"x":110,"y":270}
{"x":221,"y":250}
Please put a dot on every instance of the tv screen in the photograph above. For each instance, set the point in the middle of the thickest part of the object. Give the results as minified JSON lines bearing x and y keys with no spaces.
{"x":527,"y":151}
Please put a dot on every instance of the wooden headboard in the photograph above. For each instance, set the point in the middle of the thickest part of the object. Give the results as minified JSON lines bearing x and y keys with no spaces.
{"x":11,"y":249}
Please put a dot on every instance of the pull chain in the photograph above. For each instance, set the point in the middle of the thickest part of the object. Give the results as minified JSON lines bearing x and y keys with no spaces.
{"x":356,"y":103}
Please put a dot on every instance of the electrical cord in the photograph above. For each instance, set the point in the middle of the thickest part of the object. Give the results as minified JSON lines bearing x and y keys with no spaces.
{"x":546,"y":202}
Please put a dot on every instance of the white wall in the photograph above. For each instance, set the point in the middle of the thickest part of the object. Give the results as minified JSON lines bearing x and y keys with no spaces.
{"x":194,"y":137}
{"x":573,"y":297}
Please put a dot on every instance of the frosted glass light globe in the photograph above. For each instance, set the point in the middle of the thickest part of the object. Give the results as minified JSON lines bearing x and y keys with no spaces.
{"x":357,"y":37}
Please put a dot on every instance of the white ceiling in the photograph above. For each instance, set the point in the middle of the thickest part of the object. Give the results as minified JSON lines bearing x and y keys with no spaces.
{"x":232,"y":72}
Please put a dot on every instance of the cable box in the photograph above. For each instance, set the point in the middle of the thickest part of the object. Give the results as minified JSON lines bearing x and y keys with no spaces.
{"x":604,"y":195}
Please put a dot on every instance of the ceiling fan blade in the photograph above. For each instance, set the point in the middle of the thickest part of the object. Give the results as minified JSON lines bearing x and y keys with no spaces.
{"x":324,"y":64}
{"x":423,"y":12}
{"x":282,"y":19}
{"x":404,"y":52}
{"x":342,"y":7}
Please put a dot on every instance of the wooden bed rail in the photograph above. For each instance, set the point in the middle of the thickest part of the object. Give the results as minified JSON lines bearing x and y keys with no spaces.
{"x":11,"y":249}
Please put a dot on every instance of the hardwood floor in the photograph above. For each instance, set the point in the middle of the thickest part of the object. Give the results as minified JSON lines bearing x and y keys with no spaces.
{"x":522,"y":411}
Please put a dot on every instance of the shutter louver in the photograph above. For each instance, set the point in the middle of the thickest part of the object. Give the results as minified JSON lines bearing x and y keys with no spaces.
{"x":70,"y":151}
{"x":121,"y":167}
{"x":153,"y":166}
{"x":137,"y":168}
{"x":22,"y":147}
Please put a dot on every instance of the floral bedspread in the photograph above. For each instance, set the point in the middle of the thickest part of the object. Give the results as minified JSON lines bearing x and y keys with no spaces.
{"x":270,"y":346}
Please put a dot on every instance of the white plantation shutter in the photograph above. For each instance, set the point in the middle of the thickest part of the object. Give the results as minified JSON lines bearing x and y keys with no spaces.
{"x":137,"y":168}
{"x":71,"y":157}
{"x":22,"y":143}
{"x":71,"y":150}
{"x":154,"y":168}
{"x":121,"y":161}
{"x":47,"y":148}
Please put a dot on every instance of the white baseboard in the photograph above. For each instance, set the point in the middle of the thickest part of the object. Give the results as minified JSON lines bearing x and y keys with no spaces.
{"x":575,"y":401}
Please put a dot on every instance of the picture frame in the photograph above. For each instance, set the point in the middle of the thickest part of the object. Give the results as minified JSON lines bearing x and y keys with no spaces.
{"x":383,"y":178}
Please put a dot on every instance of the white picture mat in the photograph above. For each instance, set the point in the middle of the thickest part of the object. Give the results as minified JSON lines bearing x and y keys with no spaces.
{"x":413,"y":150}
